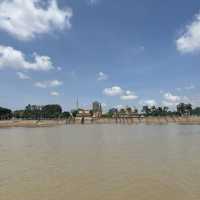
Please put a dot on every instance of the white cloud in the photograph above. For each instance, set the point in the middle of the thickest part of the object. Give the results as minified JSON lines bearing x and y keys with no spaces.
{"x":129,"y":96}
{"x":119,"y":107}
{"x":149,"y":102}
{"x":24,"y":19}
{"x":178,"y":89}
{"x":104,"y":105}
{"x":15,"y":59}
{"x":128,"y":92}
{"x":190,"y":87}
{"x":113,"y":91}
{"x":23,"y":76}
{"x":102,"y":76}
{"x":41,"y":85}
{"x":185,"y":99}
{"x":93,"y":2}
{"x":194,"y":100}
{"x":55,"y":83}
{"x":118,"y":91}
{"x":169,"y":104}
{"x":189,"y":41}
{"x":171,"y":98}
{"x":54,"y":93}
{"x":48,"y":84}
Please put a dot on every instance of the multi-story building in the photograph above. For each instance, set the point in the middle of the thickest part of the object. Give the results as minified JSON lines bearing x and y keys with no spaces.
{"x":97,"y":109}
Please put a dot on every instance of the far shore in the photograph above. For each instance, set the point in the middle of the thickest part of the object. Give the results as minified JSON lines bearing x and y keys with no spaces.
{"x":188,"y":120}
{"x":31,"y":123}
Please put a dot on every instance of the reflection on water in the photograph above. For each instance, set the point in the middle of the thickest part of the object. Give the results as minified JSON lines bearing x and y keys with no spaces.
{"x":100,"y":162}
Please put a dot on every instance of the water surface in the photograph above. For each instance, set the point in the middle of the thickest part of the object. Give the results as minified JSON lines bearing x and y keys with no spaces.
{"x":100,"y":162}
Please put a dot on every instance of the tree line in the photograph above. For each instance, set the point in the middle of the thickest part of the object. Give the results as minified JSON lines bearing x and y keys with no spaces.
{"x":35,"y":112}
{"x":182,"y":109}
{"x":55,"y":111}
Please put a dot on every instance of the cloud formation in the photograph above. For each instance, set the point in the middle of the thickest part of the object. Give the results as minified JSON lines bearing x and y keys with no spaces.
{"x":23,"y":76}
{"x":93,"y":2}
{"x":24,"y":19}
{"x":55,"y":93}
{"x":149,"y":102}
{"x":128,"y":95}
{"x":102,"y":76}
{"x":15,"y":59}
{"x":171,"y":98}
{"x":118,"y":91}
{"x":189,"y":41}
{"x":190,"y":87}
{"x":169,"y":104}
{"x":113,"y":91}
{"x":48,"y":84}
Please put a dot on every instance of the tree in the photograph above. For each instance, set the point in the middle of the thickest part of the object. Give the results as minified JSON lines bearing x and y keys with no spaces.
{"x":155,"y":111}
{"x":74,"y":113}
{"x":5,"y":114}
{"x":65,"y":115}
{"x":129,"y":110}
{"x":146,"y":110}
{"x":188,"y":108}
{"x":165,"y":110}
{"x":18,"y":114}
{"x":52,"y":111}
{"x":184,"y":109}
{"x":122,"y":111}
{"x":112,"y":112}
{"x":33,"y":112}
{"x":196,"y":111}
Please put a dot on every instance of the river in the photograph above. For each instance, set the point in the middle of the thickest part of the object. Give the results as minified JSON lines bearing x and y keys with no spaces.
{"x":100,"y":162}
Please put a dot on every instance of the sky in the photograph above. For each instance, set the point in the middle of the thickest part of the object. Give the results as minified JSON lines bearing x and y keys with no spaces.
{"x":124,"y":52}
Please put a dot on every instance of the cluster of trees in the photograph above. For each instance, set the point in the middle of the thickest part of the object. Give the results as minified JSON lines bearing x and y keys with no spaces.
{"x":181,"y":110}
{"x":55,"y":112}
{"x":184,"y":109}
{"x":41,"y":112}
{"x":156,"y":111}
{"x":5,"y":114}
{"x":123,"y":111}
{"x":196,"y":111}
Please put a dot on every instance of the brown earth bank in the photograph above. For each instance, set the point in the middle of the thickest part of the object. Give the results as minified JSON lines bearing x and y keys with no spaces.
{"x":30,"y":123}
{"x":146,"y":120}
{"x":152,"y":120}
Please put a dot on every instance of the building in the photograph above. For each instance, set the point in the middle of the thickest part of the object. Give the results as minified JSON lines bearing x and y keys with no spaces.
{"x":128,"y":112}
{"x":84,"y":113}
{"x":96,"y":109}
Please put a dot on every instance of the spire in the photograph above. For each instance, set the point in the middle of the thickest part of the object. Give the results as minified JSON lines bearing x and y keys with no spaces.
{"x":77,"y":104}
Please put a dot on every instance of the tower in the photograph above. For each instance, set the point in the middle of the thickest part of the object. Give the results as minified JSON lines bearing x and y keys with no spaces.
{"x":77,"y":104}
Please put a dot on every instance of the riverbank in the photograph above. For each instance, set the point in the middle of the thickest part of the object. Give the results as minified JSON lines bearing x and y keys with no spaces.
{"x":192,"y":120}
{"x":145,"y":120}
{"x":31,"y":123}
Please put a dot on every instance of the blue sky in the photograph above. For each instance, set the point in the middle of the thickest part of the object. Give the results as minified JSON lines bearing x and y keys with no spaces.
{"x":123,"y":52}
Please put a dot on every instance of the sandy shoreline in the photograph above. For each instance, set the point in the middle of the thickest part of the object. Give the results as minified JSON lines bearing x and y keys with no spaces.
{"x":30,"y":123}
{"x":192,"y":120}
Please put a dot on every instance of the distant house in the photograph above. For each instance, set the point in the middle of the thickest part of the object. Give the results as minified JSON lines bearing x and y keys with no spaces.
{"x":84,"y":113}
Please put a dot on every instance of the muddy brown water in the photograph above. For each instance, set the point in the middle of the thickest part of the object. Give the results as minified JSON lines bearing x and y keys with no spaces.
{"x":100,"y":162}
